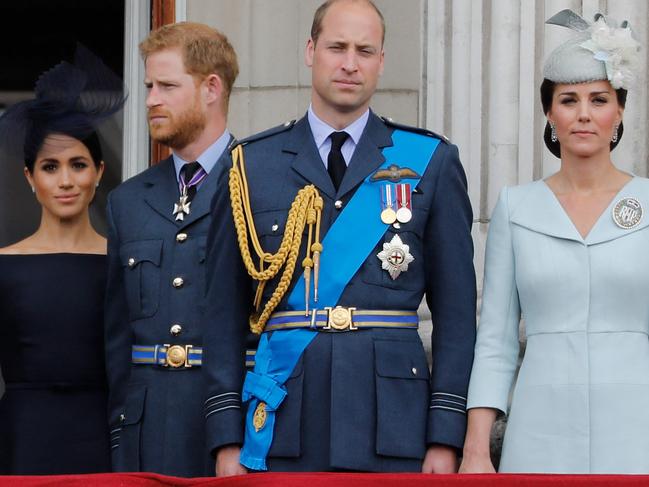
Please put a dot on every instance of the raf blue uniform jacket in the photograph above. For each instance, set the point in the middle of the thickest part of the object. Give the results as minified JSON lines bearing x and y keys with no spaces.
{"x":360,"y":400}
{"x":156,"y":412}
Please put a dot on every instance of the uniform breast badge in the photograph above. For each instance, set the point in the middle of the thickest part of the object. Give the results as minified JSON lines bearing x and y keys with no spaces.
{"x":395,"y":257}
{"x":627,"y":213}
{"x":388,"y":213}
{"x":181,"y":208}
{"x":394,"y":173}
{"x":404,"y":203}
{"x":191,"y":175}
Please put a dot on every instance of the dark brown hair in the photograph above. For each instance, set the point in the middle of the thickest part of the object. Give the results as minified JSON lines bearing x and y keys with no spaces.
{"x":547,"y":92}
{"x":91,"y":141}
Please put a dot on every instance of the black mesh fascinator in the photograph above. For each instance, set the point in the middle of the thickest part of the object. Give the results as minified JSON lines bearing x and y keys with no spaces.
{"x":71,"y":99}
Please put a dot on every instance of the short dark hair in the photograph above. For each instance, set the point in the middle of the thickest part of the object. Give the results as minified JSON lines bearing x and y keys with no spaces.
{"x":316,"y":26}
{"x":547,"y":92}
{"x":91,"y":141}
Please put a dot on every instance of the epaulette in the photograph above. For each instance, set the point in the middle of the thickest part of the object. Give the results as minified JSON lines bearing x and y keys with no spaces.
{"x":267,"y":133}
{"x":428,"y":133}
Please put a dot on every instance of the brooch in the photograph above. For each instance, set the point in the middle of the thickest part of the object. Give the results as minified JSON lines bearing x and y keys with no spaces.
{"x":627,"y":213}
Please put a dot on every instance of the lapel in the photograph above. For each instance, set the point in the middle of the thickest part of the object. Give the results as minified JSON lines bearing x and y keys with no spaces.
{"x":162,"y":190}
{"x":367,"y":156}
{"x":307,"y":162}
{"x":201,"y":203}
{"x":606,"y":229}
{"x":539,"y":210}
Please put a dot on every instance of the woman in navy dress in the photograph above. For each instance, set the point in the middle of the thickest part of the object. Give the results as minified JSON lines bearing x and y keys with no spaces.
{"x":53,"y":416}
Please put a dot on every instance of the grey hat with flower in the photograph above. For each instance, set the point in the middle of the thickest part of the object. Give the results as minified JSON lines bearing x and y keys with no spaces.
{"x":602,"y":50}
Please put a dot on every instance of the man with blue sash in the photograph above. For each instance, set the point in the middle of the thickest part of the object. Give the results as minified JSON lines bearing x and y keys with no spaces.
{"x":344,"y":221}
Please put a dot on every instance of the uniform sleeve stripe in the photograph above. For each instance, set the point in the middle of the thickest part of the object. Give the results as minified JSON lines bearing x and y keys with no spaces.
{"x":449,"y":395}
{"x":454,"y":403}
{"x":457,"y":410}
{"x":222,"y":395}
{"x":223,"y":403}
{"x":222,"y":409}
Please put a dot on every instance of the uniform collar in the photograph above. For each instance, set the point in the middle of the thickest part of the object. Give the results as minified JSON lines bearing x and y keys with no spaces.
{"x":208,"y":158}
{"x":321,"y":130}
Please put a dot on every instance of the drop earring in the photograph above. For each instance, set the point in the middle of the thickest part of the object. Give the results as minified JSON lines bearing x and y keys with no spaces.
{"x":615,"y":136}
{"x":553,"y":132}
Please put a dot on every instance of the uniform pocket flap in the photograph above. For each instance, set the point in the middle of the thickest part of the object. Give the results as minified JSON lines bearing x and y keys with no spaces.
{"x":400,"y":359}
{"x":271,"y":222}
{"x":135,"y":397}
{"x":132,"y":253}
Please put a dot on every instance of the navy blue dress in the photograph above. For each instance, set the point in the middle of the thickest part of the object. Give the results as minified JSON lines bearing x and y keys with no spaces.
{"x":53,"y":416}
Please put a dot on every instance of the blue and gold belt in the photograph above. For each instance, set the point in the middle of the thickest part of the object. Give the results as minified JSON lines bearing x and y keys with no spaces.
{"x":175,"y":356}
{"x":341,"y":319}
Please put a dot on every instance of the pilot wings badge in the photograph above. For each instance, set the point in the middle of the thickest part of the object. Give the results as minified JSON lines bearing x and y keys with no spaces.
{"x":394,"y":174}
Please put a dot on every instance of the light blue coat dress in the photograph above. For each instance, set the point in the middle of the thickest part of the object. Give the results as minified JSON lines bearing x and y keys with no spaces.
{"x":581,"y":400}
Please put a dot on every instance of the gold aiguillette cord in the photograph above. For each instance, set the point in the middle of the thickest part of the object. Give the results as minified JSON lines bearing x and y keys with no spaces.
{"x":306,"y":209}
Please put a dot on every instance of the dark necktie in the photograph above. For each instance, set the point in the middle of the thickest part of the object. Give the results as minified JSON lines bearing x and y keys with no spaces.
{"x":335,"y":161}
{"x":190,"y":178}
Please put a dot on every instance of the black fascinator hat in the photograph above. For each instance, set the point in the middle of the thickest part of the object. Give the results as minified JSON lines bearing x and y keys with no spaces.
{"x":71,"y":99}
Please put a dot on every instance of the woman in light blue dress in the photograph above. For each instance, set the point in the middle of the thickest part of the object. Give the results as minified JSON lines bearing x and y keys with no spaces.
{"x":569,"y":254}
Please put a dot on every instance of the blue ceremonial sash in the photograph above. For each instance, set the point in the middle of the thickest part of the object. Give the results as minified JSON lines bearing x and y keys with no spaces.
{"x":345,"y":247}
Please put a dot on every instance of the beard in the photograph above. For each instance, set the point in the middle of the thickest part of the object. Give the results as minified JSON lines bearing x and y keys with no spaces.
{"x":180,"y":130}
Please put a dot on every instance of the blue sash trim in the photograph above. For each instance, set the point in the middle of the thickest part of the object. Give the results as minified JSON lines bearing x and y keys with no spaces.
{"x":347,"y":244}
{"x":358,"y":228}
{"x":266,"y":384}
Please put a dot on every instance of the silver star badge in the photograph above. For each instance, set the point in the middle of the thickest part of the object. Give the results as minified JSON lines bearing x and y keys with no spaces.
{"x":395,"y":257}
{"x":181,"y":208}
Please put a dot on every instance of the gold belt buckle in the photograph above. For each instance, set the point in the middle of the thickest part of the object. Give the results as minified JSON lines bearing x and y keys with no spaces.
{"x":178,"y":356}
{"x":340,"y":319}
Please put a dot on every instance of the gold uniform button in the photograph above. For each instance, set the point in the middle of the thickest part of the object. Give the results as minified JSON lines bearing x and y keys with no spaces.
{"x":181,"y":237}
{"x":176,"y":329}
{"x":274,"y":228}
{"x":178,"y":282}
{"x":338,"y":204}
{"x":131,"y":261}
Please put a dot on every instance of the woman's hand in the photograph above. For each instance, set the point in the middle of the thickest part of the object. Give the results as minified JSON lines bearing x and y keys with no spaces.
{"x":477,"y":463}
{"x":476,"y":458}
